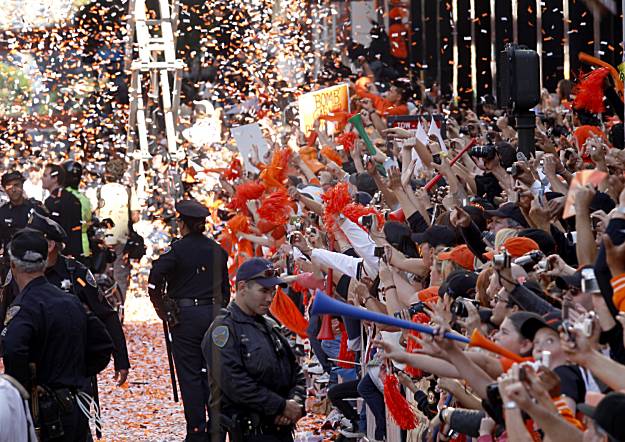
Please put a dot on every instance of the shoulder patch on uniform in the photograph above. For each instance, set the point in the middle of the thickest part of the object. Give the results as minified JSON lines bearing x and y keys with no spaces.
{"x":8,"y":279}
{"x":91,"y":279}
{"x":166,"y":250}
{"x":220,"y":336}
{"x":11,"y":312}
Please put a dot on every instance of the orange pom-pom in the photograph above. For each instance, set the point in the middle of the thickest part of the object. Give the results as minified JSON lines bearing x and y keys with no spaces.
{"x":276,"y":207}
{"x":278,"y":232}
{"x":353,"y":211}
{"x":589,"y":92}
{"x":265,"y":226}
{"x":347,"y":140}
{"x":252,"y":190}
{"x":239,"y":223}
{"x":234,"y":170}
{"x":331,"y":155}
{"x":335,"y":199}
{"x":397,"y":405}
{"x":275,"y":174}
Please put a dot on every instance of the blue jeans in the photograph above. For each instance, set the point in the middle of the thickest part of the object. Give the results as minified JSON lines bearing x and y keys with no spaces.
{"x":313,"y":330}
{"x":332,"y":349}
{"x":375,"y":400}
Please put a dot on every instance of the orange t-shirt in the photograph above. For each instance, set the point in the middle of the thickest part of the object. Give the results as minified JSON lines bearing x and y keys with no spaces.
{"x":381,"y":104}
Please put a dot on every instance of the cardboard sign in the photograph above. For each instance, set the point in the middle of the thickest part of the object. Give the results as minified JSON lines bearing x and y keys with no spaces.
{"x":580,"y":179}
{"x":322,"y":102}
{"x":247,"y":137}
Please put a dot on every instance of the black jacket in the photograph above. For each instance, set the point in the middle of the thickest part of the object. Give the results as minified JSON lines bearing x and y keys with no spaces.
{"x":252,"y":368}
{"x":73,"y":277}
{"x":53,"y":330}
{"x":66,"y":210}
{"x":14,"y":218}
{"x":194,"y":267}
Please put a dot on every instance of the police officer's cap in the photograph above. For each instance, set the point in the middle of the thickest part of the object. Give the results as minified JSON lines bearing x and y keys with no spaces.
{"x":261,"y":271}
{"x":50,"y":228}
{"x":191,"y":209}
{"x":29,"y":245}
{"x":12,"y":176}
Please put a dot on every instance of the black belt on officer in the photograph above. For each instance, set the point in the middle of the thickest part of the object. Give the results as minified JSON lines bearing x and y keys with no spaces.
{"x":194,"y":302}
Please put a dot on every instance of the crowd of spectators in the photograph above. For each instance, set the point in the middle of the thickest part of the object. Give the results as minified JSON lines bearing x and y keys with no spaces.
{"x":527,"y":251}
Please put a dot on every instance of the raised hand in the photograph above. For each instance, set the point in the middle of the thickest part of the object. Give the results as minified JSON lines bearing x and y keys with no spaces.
{"x":397,"y":132}
{"x":459,"y":218}
{"x":394,"y":179}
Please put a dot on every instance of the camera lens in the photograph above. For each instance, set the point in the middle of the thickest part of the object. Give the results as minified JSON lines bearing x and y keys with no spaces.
{"x":459,"y":309}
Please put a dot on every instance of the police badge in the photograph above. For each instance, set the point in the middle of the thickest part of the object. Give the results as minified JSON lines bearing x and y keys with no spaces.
{"x":220,"y":336}
{"x":11,"y":312}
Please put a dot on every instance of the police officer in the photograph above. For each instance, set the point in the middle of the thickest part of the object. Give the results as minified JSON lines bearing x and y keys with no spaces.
{"x":195,"y":271}
{"x":64,"y":208}
{"x":73,"y":277}
{"x":50,"y":343}
{"x":14,"y":214}
{"x":257,"y":387}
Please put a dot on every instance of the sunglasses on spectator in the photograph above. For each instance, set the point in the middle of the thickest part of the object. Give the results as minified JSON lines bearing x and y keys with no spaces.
{"x":267,"y":273}
{"x":498,"y":298}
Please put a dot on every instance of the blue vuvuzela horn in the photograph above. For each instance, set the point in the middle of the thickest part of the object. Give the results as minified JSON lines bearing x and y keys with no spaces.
{"x":323,"y":304}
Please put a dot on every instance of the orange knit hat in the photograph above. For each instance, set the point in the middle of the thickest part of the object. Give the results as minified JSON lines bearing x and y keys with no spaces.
{"x":461,"y":255}
{"x":520,"y":245}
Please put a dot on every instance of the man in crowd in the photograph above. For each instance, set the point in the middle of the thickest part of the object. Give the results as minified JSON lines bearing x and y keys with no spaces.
{"x":73,"y":175}
{"x":118,"y":203}
{"x":257,"y":386}
{"x":64,"y":208}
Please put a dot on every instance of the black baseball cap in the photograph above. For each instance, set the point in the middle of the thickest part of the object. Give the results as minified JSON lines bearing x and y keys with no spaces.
{"x":459,"y":284}
{"x":29,"y":245}
{"x":50,"y":228}
{"x":363,"y":198}
{"x":436,"y":236}
{"x":608,"y":414}
{"x":364,"y":182}
{"x":261,"y":271}
{"x":508,"y":210}
{"x":12,"y":176}
{"x":535,"y":322}
{"x":191,"y":209}
{"x":544,"y":240}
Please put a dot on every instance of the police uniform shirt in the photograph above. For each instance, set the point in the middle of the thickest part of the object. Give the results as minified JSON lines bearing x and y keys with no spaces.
{"x":14,"y":218}
{"x":251,"y":365}
{"x":45,"y":326}
{"x":83,"y":284}
{"x":66,"y":210}
{"x":194,"y":267}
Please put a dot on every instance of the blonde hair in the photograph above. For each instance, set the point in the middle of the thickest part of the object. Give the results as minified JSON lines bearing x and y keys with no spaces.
{"x":447,"y":267}
{"x":502,"y":236}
